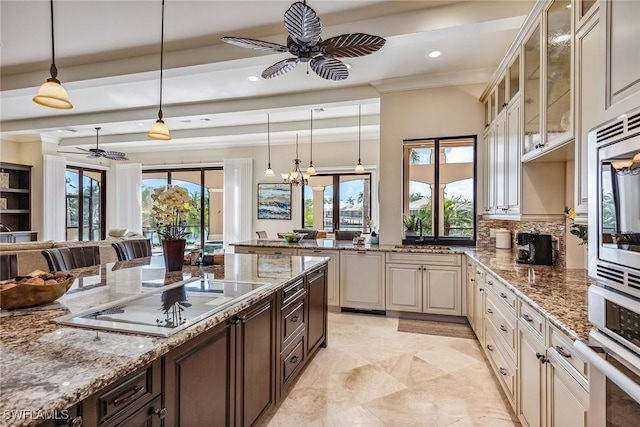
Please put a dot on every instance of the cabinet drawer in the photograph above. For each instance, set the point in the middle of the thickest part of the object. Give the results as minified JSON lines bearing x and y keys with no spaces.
{"x":563,"y":346}
{"x":128,"y":393}
{"x":292,"y":291}
{"x":533,"y":319}
{"x":292,"y":360}
{"x":263,"y":251}
{"x":503,"y":322}
{"x":504,"y":368}
{"x":292,"y":320}
{"x":503,"y":292}
{"x":425,"y":258}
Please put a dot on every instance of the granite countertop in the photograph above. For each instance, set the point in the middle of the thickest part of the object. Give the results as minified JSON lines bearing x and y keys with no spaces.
{"x":558,"y":293}
{"x":45,"y":366}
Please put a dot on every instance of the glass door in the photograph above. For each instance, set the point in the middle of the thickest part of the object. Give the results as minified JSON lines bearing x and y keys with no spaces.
{"x":85,"y":204}
{"x":531,"y":92}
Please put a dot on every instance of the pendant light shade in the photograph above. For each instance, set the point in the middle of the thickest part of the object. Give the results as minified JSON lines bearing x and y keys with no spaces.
{"x":159,"y":130}
{"x":311,"y":170}
{"x":51,"y":93}
{"x":359,"y":168}
{"x":269,"y":172}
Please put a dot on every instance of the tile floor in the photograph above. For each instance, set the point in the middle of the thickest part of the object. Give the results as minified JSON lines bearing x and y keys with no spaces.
{"x":373,"y":375}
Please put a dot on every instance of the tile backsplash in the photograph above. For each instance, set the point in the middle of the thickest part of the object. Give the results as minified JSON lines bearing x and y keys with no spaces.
{"x":555,"y":228}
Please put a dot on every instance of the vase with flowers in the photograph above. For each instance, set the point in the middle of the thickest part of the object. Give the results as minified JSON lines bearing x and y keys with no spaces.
{"x":169,"y":207}
{"x":375,"y":233}
{"x":579,"y":230}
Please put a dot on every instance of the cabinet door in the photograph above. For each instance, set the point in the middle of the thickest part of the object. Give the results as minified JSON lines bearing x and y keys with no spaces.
{"x":567,"y":401}
{"x":362,"y":280}
{"x":622,"y":60}
{"x":471,"y":281}
{"x":333,"y":272}
{"x":317,"y":312}
{"x":501,"y":163}
{"x":255,"y":362}
{"x":531,"y":92}
{"x":531,"y":379}
{"x":441,"y":292}
{"x":513,"y":165}
{"x":490,"y":171}
{"x":404,"y":287}
{"x":478,"y":311}
{"x":199,"y":380}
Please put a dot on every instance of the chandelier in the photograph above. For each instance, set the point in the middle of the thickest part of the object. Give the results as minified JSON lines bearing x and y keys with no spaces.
{"x":295,"y":177}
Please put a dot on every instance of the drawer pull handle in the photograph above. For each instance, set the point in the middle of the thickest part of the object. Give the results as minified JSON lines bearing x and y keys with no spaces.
{"x":317,"y":251}
{"x":502,"y":328}
{"x":489,"y":347}
{"x":161,"y":413}
{"x":481,"y":289}
{"x":503,"y":371}
{"x":490,"y":283}
{"x":362,"y":253}
{"x":294,"y":319}
{"x":76,"y":422}
{"x":489,"y":311}
{"x":541,"y":357}
{"x":251,"y":252}
{"x":294,"y":359}
{"x":131,"y":395}
{"x":278,"y":253}
{"x":527,"y":317}
{"x":473,"y":280}
{"x":503,"y":295}
{"x":563,"y":353}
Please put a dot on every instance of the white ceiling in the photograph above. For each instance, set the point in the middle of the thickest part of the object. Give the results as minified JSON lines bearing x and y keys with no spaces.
{"x":108,"y":57}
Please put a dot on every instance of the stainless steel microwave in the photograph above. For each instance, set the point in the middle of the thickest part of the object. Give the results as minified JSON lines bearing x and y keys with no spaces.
{"x":614,"y":211}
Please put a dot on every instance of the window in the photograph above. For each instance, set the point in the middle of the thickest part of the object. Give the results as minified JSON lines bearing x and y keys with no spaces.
{"x":85,"y":203}
{"x":204,"y":220}
{"x":337,"y":201}
{"x":439,"y":187}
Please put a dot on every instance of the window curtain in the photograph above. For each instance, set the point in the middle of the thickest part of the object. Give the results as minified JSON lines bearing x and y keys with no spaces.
{"x":238,"y":200}
{"x":54,"y":191}
{"x":128,"y":196}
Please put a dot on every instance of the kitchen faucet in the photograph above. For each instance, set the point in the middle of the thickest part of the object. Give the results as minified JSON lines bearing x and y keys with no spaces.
{"x":419,"y":224}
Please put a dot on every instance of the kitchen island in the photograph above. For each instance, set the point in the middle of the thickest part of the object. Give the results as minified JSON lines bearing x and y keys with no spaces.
{"x":109,"y":378}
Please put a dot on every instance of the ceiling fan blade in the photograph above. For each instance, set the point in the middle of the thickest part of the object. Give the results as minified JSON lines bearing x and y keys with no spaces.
{"x":329,"y":68}
{"x":114,"y":155}
{"x":351,"y":45}
{"x":280,"y":68}
{"x":70,"y":152}
{"x":255,"y":44}
{"x":302,"y":24}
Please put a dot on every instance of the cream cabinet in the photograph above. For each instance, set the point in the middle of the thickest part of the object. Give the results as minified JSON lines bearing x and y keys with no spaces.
{"x":264,"y":251}
{"x":470,"y":282}
{"x":362,"y":280}
{"x":490,"y":170}
{"x":333,"y":272}
{"x":424,"y":283}
{"x":567,"y":401}
{"x":532,"y":377}
{"x":620,"y":40}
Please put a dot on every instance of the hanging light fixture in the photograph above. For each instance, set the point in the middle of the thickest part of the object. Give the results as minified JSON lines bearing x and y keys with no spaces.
{"x":269,"y":172}
{"x":51,"y":93}
{"x":359,"y":168}
{"x":295,"y":177}
{"x":311,"y":170}
{"x":159,"y":130}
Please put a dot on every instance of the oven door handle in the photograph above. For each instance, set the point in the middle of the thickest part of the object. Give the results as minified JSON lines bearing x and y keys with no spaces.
{"x":607,"y":369}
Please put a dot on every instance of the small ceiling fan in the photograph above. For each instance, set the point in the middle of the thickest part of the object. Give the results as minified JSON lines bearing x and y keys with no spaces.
{"x":94,"y":153}
{"x":304,"y":42}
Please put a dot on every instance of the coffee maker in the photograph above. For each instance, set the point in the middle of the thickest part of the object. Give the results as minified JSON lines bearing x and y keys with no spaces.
{"x":538,"y":249}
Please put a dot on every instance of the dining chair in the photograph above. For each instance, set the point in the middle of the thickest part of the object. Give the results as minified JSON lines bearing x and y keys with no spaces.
{"x":262,"y":234}
{"x":68,"y":258}
{"x":8,"y":266}
{"x":346,"y":234}
{"x":132,"y":249}
{"x":310,"y":234}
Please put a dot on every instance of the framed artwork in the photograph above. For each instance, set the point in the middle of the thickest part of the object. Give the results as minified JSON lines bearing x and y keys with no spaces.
{"x":274,"y":201}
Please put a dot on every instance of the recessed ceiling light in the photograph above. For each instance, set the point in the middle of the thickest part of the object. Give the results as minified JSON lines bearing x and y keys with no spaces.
{"x":140,"y":124}
{"x":434,"y":54}
{"x":253,"y":78}
{"x":568,"y":6}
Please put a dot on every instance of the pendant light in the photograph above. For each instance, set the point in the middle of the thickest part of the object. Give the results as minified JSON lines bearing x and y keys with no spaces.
{"x":159,"y":130}
{"x":359,"y":168}
{"x":51,"y":93}
{"x":269,"y":172}
{"x":311,"y":170}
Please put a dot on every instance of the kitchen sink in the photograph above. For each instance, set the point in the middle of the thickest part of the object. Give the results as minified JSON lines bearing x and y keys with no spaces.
{"x":426,"y":247}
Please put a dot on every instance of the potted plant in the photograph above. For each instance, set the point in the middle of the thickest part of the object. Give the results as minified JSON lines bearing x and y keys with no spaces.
{"x":375,"y":235}
{"x":169,"y":207}
{"x":411,"y":224}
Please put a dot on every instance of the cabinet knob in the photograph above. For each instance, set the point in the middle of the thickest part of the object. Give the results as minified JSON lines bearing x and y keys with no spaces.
{"x":473,"y":280}
{"x":489,"y":347}
{"x":541,"y":358}
{"x":161,"y":413}
{"x":503,"y":295}
{"x":489,"y":311}
{"x":503,"y":371}
{"x":527,"y":317}
{"x":487,"y":125}
{"x":504,"y":105}
{"x":502,"y":328}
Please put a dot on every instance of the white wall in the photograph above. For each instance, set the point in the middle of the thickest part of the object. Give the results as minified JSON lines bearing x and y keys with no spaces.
{"x":439,"y":112}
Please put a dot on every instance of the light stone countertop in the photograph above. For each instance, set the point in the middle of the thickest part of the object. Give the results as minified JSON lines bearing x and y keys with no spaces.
{"x":47,"y":367}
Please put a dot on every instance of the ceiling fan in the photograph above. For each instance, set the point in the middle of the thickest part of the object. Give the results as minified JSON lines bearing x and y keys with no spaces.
{"x":94,"y":153}
{"x":304,"y":42}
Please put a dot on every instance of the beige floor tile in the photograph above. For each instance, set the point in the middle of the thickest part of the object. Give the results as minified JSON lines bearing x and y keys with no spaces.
{"x":368,"y":382}
{"x":357,"y":416}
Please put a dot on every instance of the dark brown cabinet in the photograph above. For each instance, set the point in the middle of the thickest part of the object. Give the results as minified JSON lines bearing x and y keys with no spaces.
{"x":15,"y":197}
{"x":317,"y":309}
{"x":198,"y":380}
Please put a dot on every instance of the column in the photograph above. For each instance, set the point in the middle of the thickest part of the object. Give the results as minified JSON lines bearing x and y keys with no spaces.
{"x":318,"y":208}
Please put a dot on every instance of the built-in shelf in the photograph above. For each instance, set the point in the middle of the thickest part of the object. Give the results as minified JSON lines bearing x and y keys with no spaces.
{"x":16,"y":197}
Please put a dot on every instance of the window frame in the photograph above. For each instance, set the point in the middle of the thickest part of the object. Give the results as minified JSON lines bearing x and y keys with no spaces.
{"x":436,"y":239}
{"x":103,"y":203}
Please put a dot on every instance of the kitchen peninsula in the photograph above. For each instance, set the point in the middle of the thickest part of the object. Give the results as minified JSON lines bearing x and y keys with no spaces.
{"x":240,"y":358}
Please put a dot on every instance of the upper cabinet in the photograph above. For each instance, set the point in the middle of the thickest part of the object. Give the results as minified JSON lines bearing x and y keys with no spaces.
{"x":621,"y":44}
{"x":531,"y":91}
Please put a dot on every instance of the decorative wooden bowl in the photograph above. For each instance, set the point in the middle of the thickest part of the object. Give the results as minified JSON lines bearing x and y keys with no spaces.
{"x":294,"y":237}
{"x":22,"y":295}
